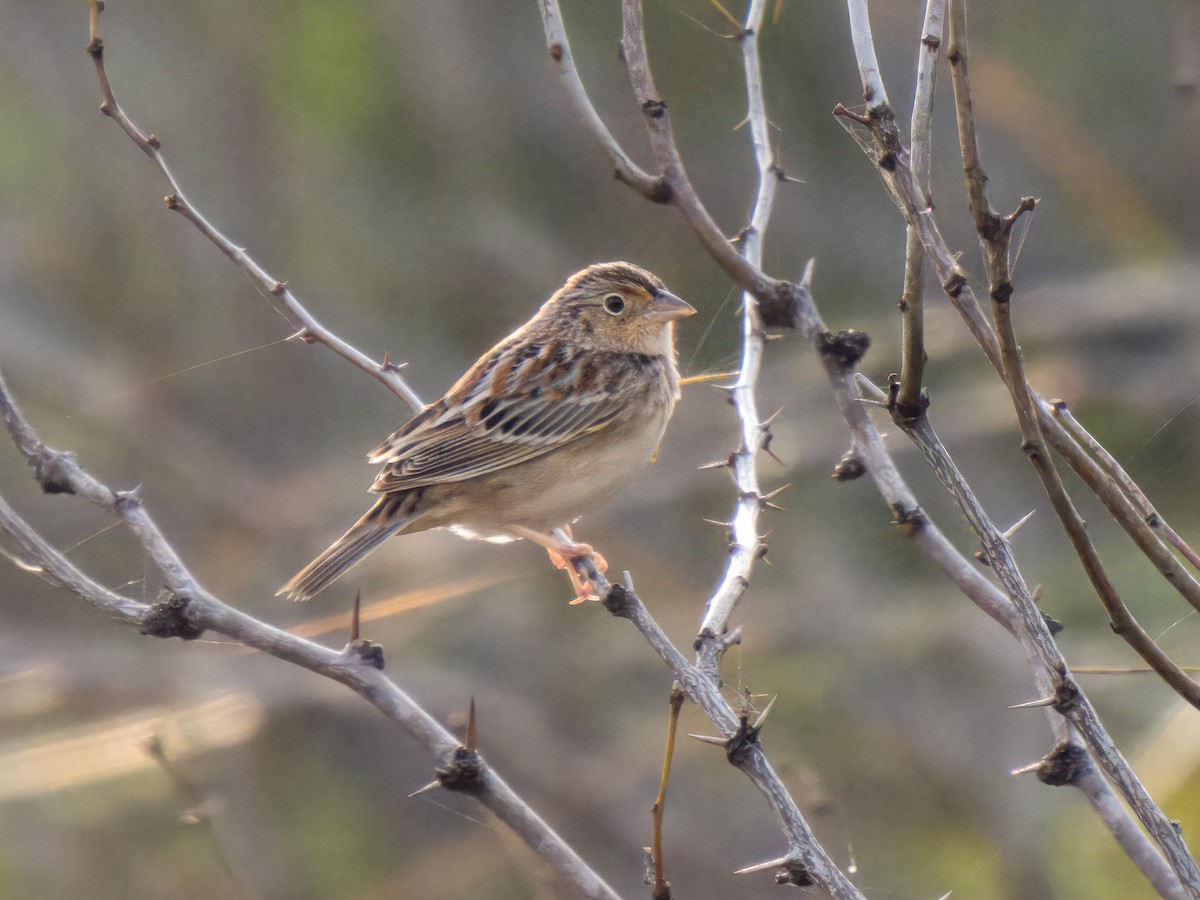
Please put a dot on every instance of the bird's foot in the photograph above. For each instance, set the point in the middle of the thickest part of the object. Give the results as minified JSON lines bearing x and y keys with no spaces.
{"x":564,"y":557}
{"x":564,"y":552}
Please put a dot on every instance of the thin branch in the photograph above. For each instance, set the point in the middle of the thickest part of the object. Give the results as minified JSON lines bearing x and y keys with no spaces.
{"x":624,"y":169}
{"x":864,"y":51}
{"x":307,"y":327}
{"x":1114,"y":470}
{"x":39,"y":558}
{"x":1032,"y":631}
{"x":742,"y":746}
{"x":1122,"y":622}
{"x":869,"y":453}
{"x":188,"y":610}
{"x":777,"y":303}
{"x":909,"y":402}
{"x":884,"y":147}
{"x":746,"y":545}
{"x":995,"y":233}
{"x":921,"y":128}
{"x":662,"y":887}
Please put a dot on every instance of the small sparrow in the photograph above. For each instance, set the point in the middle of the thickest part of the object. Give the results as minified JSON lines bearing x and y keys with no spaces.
{"x":548,"y":424}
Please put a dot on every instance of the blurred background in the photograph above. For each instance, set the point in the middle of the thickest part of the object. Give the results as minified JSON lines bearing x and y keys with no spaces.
{"x":412,"y":171}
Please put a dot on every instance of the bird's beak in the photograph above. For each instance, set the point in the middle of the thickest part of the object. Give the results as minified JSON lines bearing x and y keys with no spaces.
{"x":666,"y":307}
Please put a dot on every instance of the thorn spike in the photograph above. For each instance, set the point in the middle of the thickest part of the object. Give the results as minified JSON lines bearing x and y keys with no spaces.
{"x":429,"y":787}
{"x":471,"y":731}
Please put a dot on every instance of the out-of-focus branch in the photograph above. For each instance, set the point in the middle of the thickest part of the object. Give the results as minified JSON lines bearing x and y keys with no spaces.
{"x":308,"y":328}
{"x":1115,"y":471}
{"x":188,"y":610}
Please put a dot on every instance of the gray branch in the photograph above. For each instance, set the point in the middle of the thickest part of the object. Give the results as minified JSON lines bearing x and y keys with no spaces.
{"x":189,"y":610}
{"x":1032,"y":631}
{"x":308,"y":328}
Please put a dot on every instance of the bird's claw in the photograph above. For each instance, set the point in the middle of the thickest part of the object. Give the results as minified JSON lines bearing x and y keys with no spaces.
{"x":564,"y":558}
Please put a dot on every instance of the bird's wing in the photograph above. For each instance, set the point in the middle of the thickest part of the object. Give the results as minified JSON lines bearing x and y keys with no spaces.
{"x":514,"y":405}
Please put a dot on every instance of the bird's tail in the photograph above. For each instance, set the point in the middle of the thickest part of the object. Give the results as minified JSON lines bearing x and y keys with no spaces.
{"x":391,"y":513}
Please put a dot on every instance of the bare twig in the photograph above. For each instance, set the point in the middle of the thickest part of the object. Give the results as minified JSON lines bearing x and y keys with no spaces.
{"x":307,"y":327}
{"x":884,"y":147}
{"x":661,"y":889}
{"x":909,"y":402}
{"x":624,"y":169}
{"x":1032,"y":630}
{"x":864,"y":51}
{"x":922,"y":116}
{"x":188,"y":610}
{"x":1120,"y":618}
{"x":1115,"y":471}
{"x":741,"y":744}
{"x":746,"y":546}
{"x":995,"y":233}
{"x":670,"y":184}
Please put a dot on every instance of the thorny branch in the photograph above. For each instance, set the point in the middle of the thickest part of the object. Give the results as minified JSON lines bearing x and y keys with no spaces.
{"x":746,"y":546}
{"x":883,"y":145}
{"x":867,"y":452}
{"x":995,"y":233}
{"x":805,"y":854}
{"x":779,"y":303}
{"x":187,"y":610}
{"x":767,"y":302}
{"x":1032,"y":630}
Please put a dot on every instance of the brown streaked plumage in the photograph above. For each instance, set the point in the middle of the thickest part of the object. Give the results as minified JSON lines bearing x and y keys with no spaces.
{"x":547,"y":425}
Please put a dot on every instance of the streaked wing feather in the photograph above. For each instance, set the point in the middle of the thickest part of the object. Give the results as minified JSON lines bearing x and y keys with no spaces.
{"x":515,"y":431}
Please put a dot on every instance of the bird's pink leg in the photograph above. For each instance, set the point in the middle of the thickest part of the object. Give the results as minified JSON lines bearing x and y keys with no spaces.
{"x":563,"y":554}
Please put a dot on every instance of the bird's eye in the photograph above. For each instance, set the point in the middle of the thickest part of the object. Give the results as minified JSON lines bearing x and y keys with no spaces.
{"x":614,"y":304}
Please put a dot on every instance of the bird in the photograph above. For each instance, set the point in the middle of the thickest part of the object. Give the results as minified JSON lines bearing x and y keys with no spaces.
{"x":547,"y":425}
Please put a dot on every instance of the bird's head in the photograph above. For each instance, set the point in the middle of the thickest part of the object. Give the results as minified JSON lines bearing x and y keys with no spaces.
{"x":617,"y":306}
